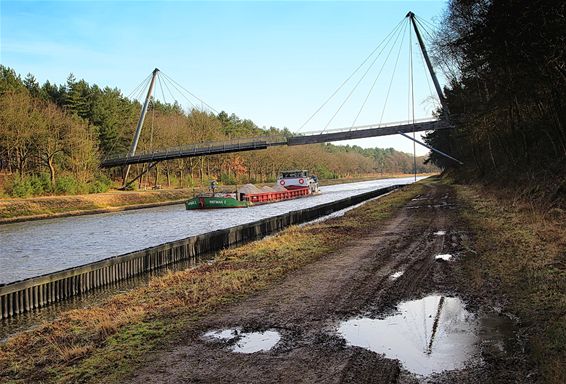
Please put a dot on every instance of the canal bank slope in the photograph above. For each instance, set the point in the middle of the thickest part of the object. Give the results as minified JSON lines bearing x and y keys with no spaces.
{"x":301,"y":283}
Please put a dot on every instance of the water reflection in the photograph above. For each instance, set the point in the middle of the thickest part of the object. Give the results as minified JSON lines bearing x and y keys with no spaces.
{"x":429,"y":335}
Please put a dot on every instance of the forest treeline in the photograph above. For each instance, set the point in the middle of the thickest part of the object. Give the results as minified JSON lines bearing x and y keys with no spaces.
{"x":507,"y":63}
{"x":52,"y":138}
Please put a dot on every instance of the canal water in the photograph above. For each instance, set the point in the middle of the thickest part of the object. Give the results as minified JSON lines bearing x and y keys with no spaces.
{"x":35,"y":248}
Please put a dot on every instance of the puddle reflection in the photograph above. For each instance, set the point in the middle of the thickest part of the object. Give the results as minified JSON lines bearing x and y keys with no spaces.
{"x":443,"y":257}
{"x":429,"y":335}
{"x":396,"y":275}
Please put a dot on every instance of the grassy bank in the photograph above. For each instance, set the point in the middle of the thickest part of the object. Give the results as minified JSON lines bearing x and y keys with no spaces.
{"x":12,"y":210}
{"x":106,"y":342}
{"x":54,"y":206}
{"x":519,"y":260}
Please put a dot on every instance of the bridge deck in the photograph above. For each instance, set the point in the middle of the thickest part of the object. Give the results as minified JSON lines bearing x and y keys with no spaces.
{"x":240,"y":145}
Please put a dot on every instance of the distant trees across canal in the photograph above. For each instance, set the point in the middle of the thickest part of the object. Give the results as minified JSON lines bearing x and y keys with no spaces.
{"x":52,"y":138}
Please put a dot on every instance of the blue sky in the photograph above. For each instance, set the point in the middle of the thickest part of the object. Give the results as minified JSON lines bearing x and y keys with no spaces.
{"x":272,"y":62}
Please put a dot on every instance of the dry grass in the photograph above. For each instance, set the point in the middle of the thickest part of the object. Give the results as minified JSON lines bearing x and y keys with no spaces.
{"x":520,"y":255}
{"x":49,"y":206}
{"x":105,"y":343}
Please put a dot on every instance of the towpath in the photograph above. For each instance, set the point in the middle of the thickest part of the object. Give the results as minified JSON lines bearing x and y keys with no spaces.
{"x":308,"y":305}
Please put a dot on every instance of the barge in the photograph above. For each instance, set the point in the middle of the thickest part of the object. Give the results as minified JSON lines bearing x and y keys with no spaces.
{"x":290,"y":185}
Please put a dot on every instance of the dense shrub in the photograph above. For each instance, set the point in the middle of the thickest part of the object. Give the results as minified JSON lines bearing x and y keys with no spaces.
{"x":41,"y":184}
{"x":322,"y":172}
{"x":37,"y":185}
{"x":68,"y":185}
{"x":100,"y":184}
{"x":19,"y":187}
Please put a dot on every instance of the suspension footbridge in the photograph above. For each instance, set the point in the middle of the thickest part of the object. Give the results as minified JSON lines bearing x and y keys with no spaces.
{"x":152,"y":158}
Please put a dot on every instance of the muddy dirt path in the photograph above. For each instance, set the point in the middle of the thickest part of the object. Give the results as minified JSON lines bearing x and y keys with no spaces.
{"x":307,"y":306}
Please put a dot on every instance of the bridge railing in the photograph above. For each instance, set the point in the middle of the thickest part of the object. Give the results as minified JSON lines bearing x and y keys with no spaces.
{"x":278,"y":139}
{"x":262,"y":142}
{"x":369,"y":126}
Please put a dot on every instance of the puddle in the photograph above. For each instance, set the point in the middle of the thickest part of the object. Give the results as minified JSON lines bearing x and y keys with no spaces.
{"x":433,"y":334}
{"x":256,"y":342}
{"x":440,"y":233}
{"x":227,"y":334}
{"x":396,"y":275}
{"x":443,"y":257}
{"x":246,"y":342}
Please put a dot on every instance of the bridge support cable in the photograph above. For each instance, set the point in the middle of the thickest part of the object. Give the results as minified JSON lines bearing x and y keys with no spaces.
{"x":166,"y":82}
{"x":392,"y":78}
{"x":428,"y":29}
{"x":387,"y":38}
{"x":431,"y":148}
{"x":412,"y":103}
{"x":361,"y":79}
{"x":160,"y":83}
{"x":140,"y":124}
{"x":376,"y":78}
{"x":178,"y":86}
{"x":139,"y":89}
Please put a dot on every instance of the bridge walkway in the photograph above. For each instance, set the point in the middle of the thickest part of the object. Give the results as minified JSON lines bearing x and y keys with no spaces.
{"x":263,"y":142}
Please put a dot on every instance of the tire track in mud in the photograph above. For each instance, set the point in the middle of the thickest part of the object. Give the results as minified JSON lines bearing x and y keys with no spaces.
{"x":308,"y":304}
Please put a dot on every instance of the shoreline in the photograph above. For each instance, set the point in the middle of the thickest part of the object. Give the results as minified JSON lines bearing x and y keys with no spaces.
{"x":88,"y":212}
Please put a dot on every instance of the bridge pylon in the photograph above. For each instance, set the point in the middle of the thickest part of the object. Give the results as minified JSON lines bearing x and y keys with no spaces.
{"x":137,"y":134}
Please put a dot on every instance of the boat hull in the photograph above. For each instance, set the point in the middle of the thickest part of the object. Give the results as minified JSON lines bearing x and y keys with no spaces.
{"x":271,"y":197}
{"x":204,"y":202}
{"x":248,"y":199}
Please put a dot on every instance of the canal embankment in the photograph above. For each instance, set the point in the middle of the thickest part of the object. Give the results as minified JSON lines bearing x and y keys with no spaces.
{"x":518,"y":263}
{"x":47,"y":207}
{"x":38,"y":292}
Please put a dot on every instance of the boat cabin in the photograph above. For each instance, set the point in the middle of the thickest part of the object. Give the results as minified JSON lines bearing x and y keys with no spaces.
{"x":296,"y":179}
{"x":294,"y":174}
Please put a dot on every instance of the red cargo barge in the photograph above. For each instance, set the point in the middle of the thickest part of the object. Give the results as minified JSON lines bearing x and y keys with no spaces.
{"x":290,"y":185}
{"x":270,"y":197}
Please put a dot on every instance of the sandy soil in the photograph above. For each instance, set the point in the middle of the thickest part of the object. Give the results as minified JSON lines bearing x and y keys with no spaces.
{"x":307,"y":305}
